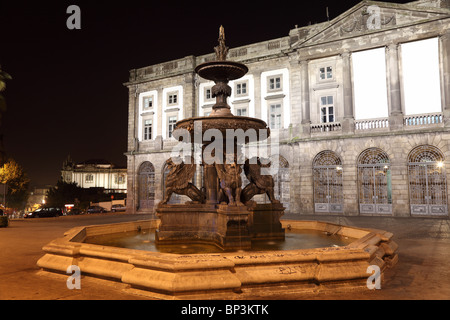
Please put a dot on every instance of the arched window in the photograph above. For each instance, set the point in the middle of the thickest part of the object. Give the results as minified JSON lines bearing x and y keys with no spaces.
{"x":146,"y":185}
{"x":374,"y":182}
{"x":427,"y":181}
{"x":328,"y":192}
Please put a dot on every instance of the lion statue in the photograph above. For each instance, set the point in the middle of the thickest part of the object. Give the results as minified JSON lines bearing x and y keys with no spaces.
{"x":230,"y":183}
{"x":258,"y":183}
{"x":178,"y":181}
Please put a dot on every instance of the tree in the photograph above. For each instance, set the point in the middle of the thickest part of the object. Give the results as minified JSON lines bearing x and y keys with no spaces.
{"x":15,"y":177}
{"x":63,"y":193}
{"x":3,"y":77}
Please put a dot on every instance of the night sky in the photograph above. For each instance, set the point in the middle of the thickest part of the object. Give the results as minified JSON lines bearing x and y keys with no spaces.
{"x":67,"y":94}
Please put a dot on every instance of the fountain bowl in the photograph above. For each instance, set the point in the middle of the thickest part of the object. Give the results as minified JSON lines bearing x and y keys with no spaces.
{"x":223,"y":123}
{"x":221,"y":70}
{"x":227,"y":275}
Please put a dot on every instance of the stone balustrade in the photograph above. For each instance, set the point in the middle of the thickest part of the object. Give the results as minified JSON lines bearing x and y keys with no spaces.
{"x":423,"y":119}
{"x":326,"y":127}
{"x":370,"y":124}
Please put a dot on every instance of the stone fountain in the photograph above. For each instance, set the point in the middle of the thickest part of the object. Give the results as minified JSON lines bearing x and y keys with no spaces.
{"x":223,"y":213}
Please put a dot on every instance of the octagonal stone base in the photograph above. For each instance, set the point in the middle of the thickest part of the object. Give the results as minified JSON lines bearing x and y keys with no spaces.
{"x":229,"y":275}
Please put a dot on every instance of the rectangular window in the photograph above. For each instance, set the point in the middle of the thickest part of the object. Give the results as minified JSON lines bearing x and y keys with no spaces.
{"x":274,"y":83}
{"x":172,"y":98}
{"x":369,"y":80}
{"x":326,"y":73}
{"x":275,"y":116}
{"x":208,"y":94}
{"x":148,"y":102}
{"x":422,"y":86}
{"x":148,"y":130}
{"x":172,"y":122}
{"x":119,"y":179}
{"x":241,"y":112}
{"x":327,"y":109}
{"x":89,"y":178}
{"x":241,"y":89}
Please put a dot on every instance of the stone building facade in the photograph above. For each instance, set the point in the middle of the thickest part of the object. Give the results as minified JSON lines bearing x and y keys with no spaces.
{"x":305,"y":85}
{"x":95,"y":173}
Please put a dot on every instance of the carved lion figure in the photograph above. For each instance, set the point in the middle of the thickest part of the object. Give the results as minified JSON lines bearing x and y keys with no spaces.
{"x":178,"y":181}
{"x":230,"y":182}
{"x":259,"y":183}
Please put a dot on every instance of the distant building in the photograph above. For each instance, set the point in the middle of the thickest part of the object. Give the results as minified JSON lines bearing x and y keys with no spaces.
{"x":95,"y":173}
{"x":343,"y":150}
{"x":37,"y":197}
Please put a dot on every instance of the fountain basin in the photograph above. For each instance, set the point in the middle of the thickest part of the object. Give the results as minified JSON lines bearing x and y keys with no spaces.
{"x":223,"y":123}
{"x":292,"y":240}
{"x":227,"y":275}
{"x":221,"y":70}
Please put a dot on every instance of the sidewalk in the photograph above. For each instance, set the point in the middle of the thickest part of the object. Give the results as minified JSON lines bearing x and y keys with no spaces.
{"x":421,"y":273}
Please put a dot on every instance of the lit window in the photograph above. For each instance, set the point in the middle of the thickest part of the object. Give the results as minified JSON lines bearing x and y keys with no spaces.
{"x":327,"y":109}
{"x":147,"y":129}
{"x":119,"y":179}
{"x":172,"y":122}
{"x":275,"y":116}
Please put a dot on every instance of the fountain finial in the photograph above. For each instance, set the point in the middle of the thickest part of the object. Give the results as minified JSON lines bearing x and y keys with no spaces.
{"x":221,"y":50}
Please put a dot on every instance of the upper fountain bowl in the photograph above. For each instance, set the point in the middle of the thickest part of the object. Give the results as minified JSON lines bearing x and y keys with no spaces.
{"x":218,"y":71}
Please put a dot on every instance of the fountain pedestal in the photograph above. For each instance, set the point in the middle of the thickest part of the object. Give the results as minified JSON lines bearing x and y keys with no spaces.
{"x":228,"y":227}
{"x":265,"y":221}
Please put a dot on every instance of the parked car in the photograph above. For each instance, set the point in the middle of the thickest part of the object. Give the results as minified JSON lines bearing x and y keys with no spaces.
{"x":45,"y":212}
{"x":74,"y":211}
{"x":118,"y":207}
{"x":96,"y":209}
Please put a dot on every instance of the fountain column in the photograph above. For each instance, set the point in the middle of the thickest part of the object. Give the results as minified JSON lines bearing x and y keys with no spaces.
{"x":209,"y":181}
{"x":220,"y":214}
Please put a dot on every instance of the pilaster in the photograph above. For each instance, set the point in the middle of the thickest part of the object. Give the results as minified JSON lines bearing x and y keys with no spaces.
{"x":394,"y":87}
{"x":305,"y":99}
{"x":444,"y":48}
{"x":348,"y":123}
